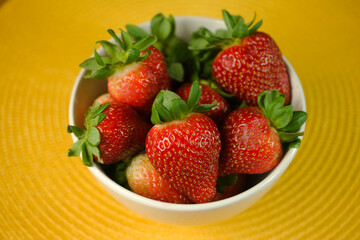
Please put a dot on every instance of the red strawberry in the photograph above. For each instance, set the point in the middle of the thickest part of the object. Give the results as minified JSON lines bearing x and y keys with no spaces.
{"x":208,"y":96}
{"x":184,"y":145}
{"x":250,"y":62}
{"x":145,"y":181}
{"x":135,"y":75}
{"x":252,"y":136}
{"x":113,"y":132}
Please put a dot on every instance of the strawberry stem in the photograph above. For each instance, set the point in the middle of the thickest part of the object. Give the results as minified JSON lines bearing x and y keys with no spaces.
{"x":101,"y":67}
{"x":89,"y":139}
{"x":169,"y":106}
{"x":282,"y":118}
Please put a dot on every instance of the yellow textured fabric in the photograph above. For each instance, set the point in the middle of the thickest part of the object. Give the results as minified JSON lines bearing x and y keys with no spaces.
{"x":46,"y":195}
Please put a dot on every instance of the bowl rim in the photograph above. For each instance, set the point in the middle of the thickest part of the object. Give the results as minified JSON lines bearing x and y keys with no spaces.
{"x":263,"y":184}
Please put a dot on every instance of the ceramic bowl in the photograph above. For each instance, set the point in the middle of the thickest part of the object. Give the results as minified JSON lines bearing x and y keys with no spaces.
{"x":86,"y":90}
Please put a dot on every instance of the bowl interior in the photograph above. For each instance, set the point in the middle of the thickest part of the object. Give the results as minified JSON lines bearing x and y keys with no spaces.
{"x":85,"y":91}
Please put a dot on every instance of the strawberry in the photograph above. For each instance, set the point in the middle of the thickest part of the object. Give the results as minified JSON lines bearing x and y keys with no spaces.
{"x":249,"y":62}
{"x":113,"y":131}
{"x":208,"y":96}
{"x":252,"y":136}
{"x":104,"y":98}
{"x":135,"y":74}
{"x":143,"y":179}
{"x":184,"y":145}
{"x":175,"y":49}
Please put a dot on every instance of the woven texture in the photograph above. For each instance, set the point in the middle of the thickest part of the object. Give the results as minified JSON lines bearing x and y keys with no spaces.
{"x":46,"y":195}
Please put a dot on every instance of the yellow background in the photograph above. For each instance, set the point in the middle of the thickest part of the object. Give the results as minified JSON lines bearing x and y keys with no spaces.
{"x":46,"y":195}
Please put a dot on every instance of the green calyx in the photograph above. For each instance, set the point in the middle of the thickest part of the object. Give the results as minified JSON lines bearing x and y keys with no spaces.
{"x":175,"y":50}
{"x":282,"y":118}
{"x":236,"y":30}
{"x":168,"y":106}
{"x":226,"y":181}
{"x":89,"y":138}
{"x":126,"y":52}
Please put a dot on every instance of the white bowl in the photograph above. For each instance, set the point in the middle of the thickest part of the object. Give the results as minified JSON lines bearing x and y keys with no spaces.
{"x":86,"y":90}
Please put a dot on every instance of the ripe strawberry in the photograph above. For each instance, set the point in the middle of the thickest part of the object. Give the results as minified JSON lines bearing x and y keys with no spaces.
{"x":135,"y":75}
{"x":250,"y":62}
{"x":208,"y":96}
{"x":113,"y":132}
{"x":184,"y":145}
{"x":252,"y":136}
{"x":145,"y":181}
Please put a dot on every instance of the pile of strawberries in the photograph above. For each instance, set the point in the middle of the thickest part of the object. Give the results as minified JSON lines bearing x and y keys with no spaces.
{"x":184,"y":122}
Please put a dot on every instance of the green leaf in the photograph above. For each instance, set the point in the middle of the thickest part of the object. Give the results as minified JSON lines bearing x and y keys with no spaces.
{"x":295,"y":144}
{"x":146,"y":42}
{"x":164,"y":113}
{"x":90,"y":64}
{"x":168,"y":96}
{"x":101,"y":117}
{"x":269,"y":98}
{"x":126,"y":39}
{"x":133,"y":56}
{"x":136,"y":32}
{"x":155,"y":117}
{"x":297,"y":120}
{"x":175,"y":108}
{"x":240,"y":30}
{"x":93,"y":136}
{"x":208,"y":35}
{"x":98,"y":58}
{"x":204,"y":107}
{"x":103,"y":73}
{"x":177,"y":50}
{"x":110,"y":48}
{"x":116,"y":38}
{"x":281,"y":116}
{"x":194,"y":95}
{"x":94,"y":150}
{"x":229,"y":21}
{"x":78,"y":132}
{"x":289,"y":137}
{"x":164,"y":30}
{"x":89,"y":74}
{"x":99,"y":109}
{"x":173,"y":24}
{"x":223,"y":33}
{"x":176,"y":71}
{"x":178,"y":108}
{"x":120,"y":173}
{"x":75,"y":150}
{"x":228,"y":180}
{"x":255,"y":27}
{"x":87,"y":157}
{"x":161,"y":26}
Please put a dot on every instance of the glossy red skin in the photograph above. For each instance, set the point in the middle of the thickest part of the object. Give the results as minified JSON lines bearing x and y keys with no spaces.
{"x":208,"y":95}
{"x":145,"y":181}
{"x":233,"y":190}
{"x":139,"y":86}
{"x":251,"y":67}
{"x":186,"y":154}
{"x":122,"y":132}
{"x":249,"y":144}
